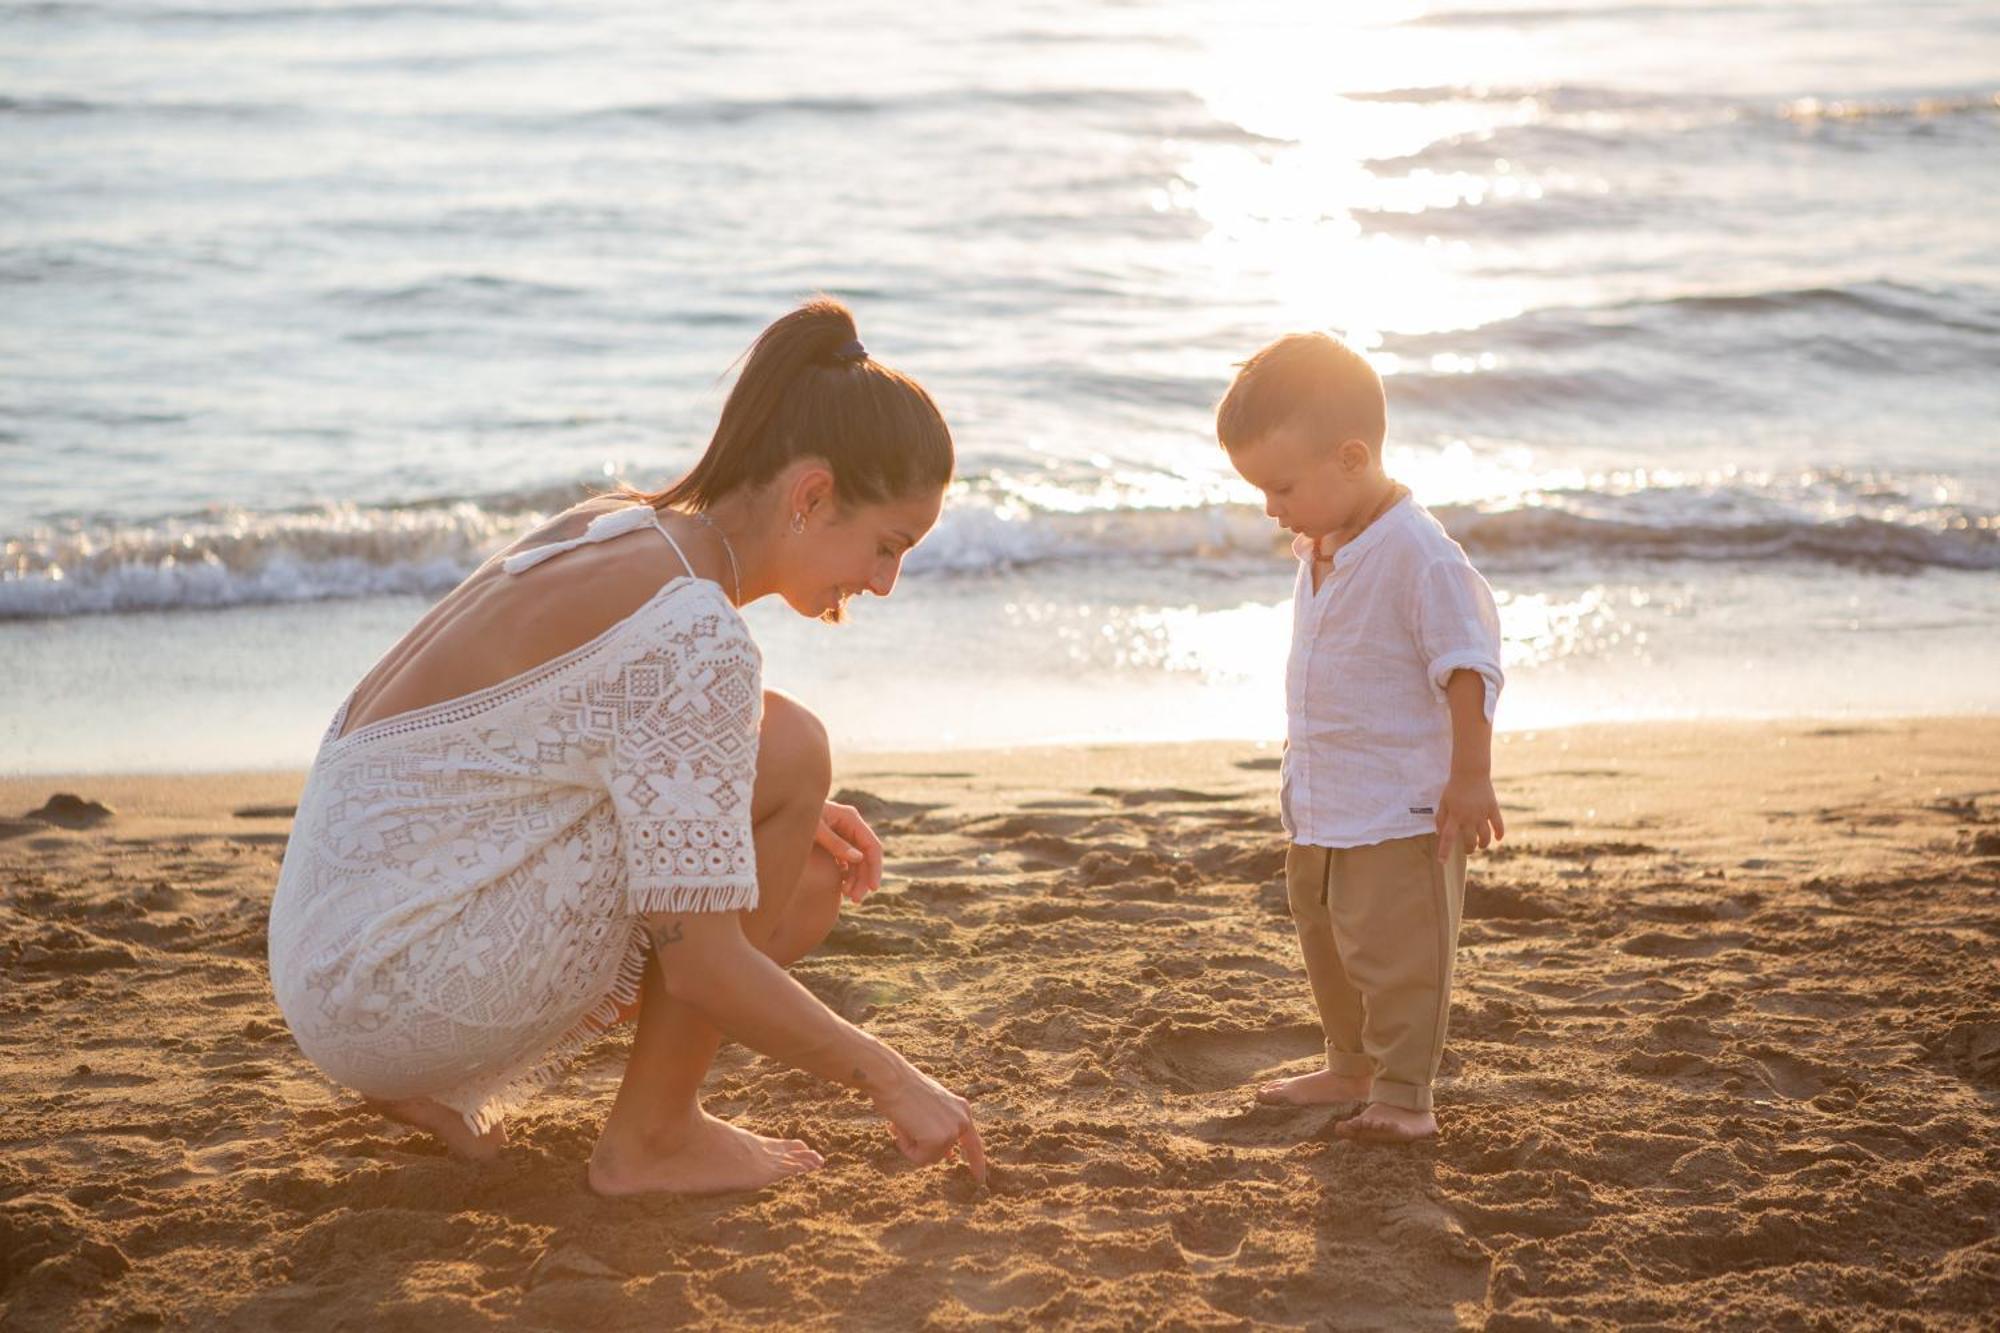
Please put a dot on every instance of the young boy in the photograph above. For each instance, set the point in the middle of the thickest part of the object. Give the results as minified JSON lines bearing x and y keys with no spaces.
{"x":1394,"y":671}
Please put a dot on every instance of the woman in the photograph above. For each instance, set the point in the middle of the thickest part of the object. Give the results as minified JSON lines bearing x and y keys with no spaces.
{"x":565,"y":792}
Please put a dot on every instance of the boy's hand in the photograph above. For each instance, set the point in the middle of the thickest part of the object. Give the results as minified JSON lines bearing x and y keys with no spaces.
{"x":1468,"y":815}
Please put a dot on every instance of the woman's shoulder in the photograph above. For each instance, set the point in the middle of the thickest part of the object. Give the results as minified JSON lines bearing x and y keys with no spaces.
{"x":640,"y":574}
{"x":692,"y":616}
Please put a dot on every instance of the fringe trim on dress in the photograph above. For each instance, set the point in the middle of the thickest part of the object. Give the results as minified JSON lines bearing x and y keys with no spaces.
{"x":729,"y":895}
{"x":510,"y":1091}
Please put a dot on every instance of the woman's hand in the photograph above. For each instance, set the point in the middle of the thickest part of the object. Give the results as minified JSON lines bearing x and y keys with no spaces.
{"x":846,"y":837}
{"x":930,"y":1121}
{"x":704,"y":959}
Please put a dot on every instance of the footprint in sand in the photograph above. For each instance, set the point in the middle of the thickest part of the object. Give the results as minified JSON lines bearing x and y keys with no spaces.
{"x":1192,"y":1059}
{"x":1660,"y":944}
{"x":85,"y":1076}
{"x":1208,"y":1241}
{"x":1972,"y":1047}
{"x":1160,"y":795}
{"x":1006,"y":1290}
{"x":1786,"y":1074}
{"x":1486,"y":901}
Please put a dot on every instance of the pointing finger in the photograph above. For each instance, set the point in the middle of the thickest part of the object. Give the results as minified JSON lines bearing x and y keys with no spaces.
{"x":975,"y":1152}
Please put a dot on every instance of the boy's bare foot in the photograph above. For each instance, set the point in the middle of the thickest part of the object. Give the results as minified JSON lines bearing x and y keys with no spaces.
{"x":446,"y":1123}
{"x":1318,"y":1088}
{"x":703,"y":1156}
{"x":1383,"y":1123}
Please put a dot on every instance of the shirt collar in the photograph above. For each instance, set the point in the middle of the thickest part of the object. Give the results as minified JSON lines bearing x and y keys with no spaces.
{"x":1372,"y":535}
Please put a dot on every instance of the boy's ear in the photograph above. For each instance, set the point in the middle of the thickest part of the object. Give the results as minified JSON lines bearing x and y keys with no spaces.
{"x":1354,"y":456}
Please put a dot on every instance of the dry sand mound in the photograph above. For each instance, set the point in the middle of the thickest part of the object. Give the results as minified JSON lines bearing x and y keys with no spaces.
{"x":1705,"y":1071}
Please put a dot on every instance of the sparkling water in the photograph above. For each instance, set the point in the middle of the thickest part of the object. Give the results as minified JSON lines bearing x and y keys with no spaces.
{"x":1689,"y":313}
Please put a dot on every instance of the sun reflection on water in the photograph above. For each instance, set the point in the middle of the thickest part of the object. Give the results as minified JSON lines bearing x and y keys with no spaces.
{"x":1285,"y":212}
{"x":1247,"y":644}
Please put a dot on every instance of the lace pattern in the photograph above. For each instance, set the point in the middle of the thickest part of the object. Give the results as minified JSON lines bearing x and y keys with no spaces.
{"x":458,"y":910}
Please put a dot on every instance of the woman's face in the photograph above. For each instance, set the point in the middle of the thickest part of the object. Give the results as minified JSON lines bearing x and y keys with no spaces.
{"x":855,"y":549}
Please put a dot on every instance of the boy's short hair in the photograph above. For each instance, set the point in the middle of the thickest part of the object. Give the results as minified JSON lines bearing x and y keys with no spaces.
{"x":1314,"y":376}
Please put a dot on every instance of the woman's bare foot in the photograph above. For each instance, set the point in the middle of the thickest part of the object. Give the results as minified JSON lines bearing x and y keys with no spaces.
{"x":702,"y":1156}
{"x":1383,"y":1123}
{"x":1319,"y":1088}
{"x":446,"y":1123}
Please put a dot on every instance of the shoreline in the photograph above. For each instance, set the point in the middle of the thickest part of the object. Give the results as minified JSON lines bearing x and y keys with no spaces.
{"x":269,"y":781}
{"x":1725,"y":1044}
{"x":1112,"y":654}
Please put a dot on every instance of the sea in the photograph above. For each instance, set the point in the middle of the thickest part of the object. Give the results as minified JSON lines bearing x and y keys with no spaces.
{"x":1689,"y":312}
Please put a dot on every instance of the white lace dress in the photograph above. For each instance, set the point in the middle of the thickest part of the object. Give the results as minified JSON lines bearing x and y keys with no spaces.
{"x":458,"y":910}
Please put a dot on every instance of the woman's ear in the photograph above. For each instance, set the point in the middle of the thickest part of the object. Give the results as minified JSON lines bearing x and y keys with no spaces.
{"x":812,"y":487}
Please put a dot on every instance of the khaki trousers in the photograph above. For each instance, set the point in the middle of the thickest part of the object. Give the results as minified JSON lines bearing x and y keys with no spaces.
{"x":1378,"y":926}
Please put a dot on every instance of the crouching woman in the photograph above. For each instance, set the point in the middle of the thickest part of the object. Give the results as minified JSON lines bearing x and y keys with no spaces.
{"x":564,"y":795}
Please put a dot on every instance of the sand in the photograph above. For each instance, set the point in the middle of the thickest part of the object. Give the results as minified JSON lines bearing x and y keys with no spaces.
{"x":1725,"y":1053}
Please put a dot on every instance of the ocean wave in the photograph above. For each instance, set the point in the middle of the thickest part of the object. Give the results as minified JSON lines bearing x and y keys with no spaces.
{"x":235,"y":559}
{"x":457,"y":291}
{"x":1554,"y":97}
{"x":1581,"y":125}
{"x":1532,"y":16}
{"x":1967,"y":320}
{"x":1541,"y":533}
{"x":1896,"y":301}
{"x":51,"y":108}
{"x":336,"y":11}
{"x":1812,"y":109}
{"x":1068,"y":99}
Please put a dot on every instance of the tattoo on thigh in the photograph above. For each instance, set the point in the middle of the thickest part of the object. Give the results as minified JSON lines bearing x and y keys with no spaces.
{"x":663,"y":936}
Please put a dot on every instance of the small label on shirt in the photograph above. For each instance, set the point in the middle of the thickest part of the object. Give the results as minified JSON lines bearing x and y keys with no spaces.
{"x":1423,"y":809}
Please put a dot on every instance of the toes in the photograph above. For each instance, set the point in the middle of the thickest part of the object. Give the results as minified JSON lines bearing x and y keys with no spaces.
{"x":1362,"y":1129}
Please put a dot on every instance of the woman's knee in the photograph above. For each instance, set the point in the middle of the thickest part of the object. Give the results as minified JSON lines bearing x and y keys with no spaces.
{"x":809,"y":916}
{"x":794,"y":759}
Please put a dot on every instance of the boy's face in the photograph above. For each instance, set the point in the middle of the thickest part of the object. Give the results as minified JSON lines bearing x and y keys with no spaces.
{"x":1312,"y":485}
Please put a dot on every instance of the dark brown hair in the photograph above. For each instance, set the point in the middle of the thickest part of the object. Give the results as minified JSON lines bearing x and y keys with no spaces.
{"x":808,"y":390}
{"x":1314,"y":377}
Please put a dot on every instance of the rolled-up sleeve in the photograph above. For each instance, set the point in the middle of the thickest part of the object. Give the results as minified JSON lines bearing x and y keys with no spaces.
{"x":1458,"y":627}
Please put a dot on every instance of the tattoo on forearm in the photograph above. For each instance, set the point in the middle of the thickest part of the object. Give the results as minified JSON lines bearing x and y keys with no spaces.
{"x":664,"y":935}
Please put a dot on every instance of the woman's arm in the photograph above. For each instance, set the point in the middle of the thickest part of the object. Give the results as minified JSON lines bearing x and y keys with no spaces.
{"x":705,"y":960}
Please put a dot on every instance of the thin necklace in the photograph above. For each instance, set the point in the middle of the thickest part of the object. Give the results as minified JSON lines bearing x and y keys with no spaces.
{"x":735,"y":577}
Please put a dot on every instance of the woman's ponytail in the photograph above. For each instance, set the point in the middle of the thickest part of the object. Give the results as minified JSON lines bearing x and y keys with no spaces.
{"x":809,"y":389}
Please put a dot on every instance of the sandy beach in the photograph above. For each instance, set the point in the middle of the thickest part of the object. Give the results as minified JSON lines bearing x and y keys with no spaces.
{"x":1725,"y":1053}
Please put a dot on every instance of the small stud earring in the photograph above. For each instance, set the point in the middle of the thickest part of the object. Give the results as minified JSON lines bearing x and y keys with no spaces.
{"x":798,"y":523}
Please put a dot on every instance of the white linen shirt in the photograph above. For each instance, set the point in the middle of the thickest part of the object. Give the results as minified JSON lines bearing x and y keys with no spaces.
{"x":1368,"y":731}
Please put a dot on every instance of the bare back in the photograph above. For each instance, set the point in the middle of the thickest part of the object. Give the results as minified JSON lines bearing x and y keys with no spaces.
{"x":496,"y":626}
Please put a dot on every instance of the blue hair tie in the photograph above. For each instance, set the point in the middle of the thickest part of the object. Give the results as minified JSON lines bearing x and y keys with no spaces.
{"x":851,"y":350}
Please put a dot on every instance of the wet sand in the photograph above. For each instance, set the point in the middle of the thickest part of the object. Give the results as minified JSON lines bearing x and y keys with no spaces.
{"x":1725,"y":1053}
